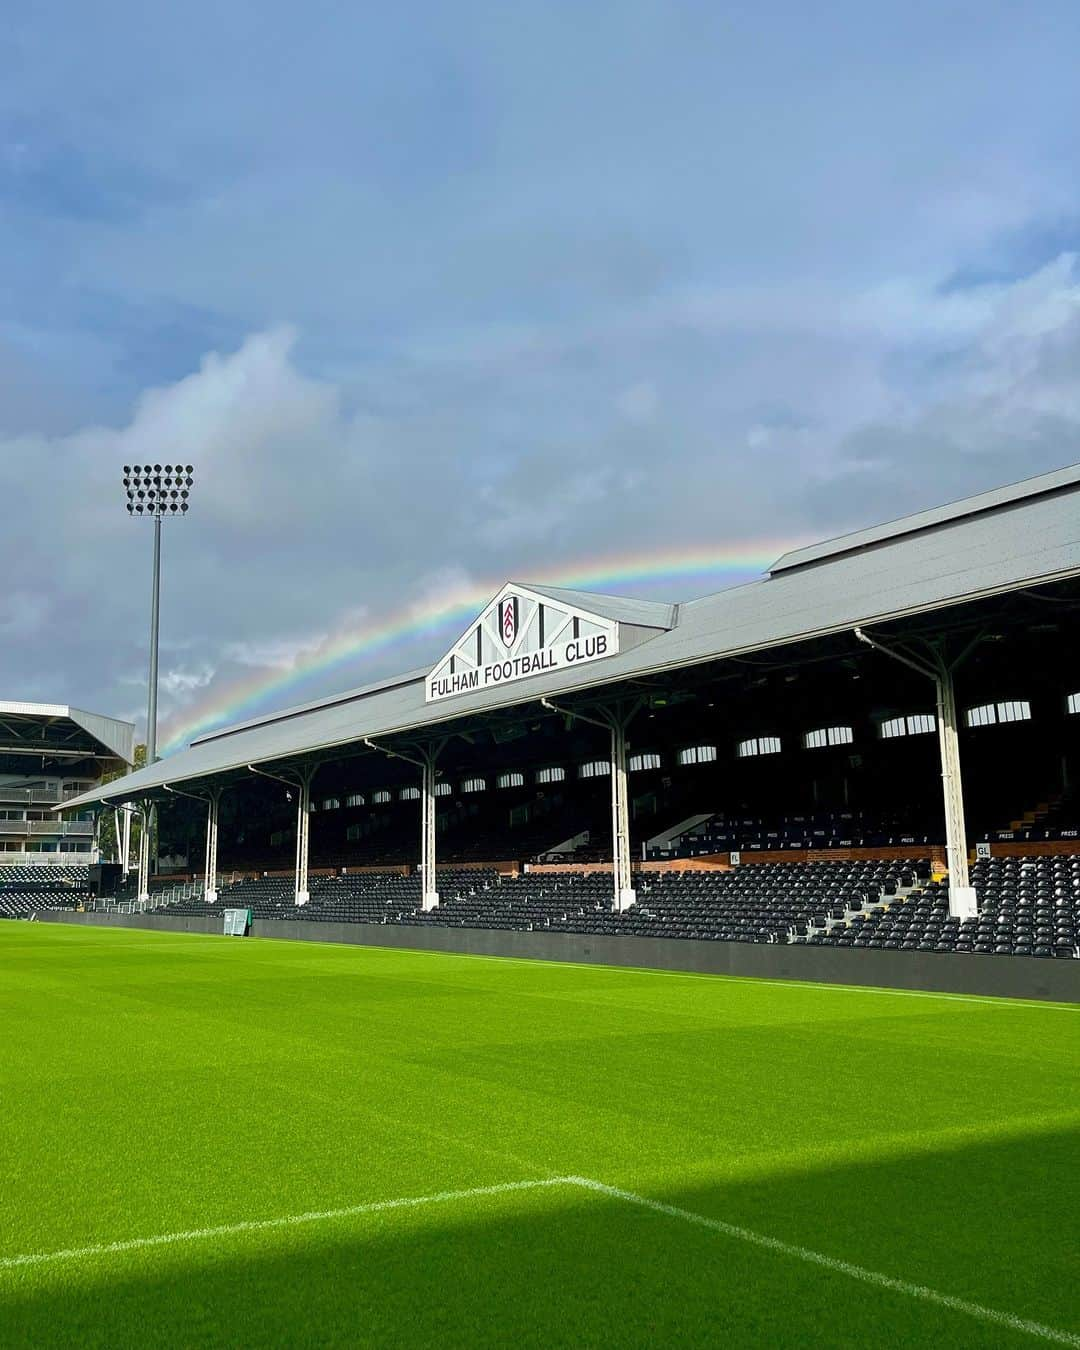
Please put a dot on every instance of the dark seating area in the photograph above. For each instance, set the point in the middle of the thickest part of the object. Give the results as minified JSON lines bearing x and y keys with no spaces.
{"x":26,"y":890}
{"x":726,"y":833}
{"x":363,"y":897}
{"x":1027,"y":907}
{"x":763,"y":903}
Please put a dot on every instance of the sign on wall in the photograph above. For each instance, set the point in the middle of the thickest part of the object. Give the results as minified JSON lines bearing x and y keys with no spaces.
{"x":521,"y":634}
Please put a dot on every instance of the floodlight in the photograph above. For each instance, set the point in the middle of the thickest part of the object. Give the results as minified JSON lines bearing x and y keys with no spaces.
{"x":156,"y":493}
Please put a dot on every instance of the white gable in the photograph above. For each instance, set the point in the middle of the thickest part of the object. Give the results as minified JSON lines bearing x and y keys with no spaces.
{"x":521,"y":633}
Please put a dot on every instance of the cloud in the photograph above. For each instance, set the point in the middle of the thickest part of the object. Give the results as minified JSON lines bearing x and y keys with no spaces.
{"x":431,"y":295}
{"x":313,"y":514}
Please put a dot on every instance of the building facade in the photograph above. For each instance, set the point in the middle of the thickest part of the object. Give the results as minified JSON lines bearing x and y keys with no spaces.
{"x":49,"y":754}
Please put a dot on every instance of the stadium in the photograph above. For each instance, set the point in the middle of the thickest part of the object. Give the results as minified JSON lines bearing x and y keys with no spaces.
{"x":539,"y":676}
{"x":634,"y":972}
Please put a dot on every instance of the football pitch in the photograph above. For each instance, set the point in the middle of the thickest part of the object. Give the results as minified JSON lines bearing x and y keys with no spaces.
{"x":210,"y":1141}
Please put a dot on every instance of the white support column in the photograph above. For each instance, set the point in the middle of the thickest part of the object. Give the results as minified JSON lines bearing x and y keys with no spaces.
{"x":144,"y":855}
{"x":125,"y":856}
{"x":429,"y":895}
{"x":429,"y":754}
{"x":615,"y":720}
{"x":210,"y":892}
{"x":303,"y":826}
{"x":962,"y":900}
{"x":622,"y":876}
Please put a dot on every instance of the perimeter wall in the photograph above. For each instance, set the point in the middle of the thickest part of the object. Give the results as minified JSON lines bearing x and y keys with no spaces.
{"x":956,"y":973}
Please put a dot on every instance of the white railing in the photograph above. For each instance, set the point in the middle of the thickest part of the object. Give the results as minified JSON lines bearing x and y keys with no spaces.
{"x":32,"y":796}
{"x":24,"y":859}
{"x":47,"y":827}
{"x":59,"y":827}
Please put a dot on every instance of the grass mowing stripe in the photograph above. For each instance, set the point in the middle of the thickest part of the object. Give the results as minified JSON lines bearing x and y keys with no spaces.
{"x":285,"y":1221}
{"x":792,"y":984}
{"x":874,"y":1277}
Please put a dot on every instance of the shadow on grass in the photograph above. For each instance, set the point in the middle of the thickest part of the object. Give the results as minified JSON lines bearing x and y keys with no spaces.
{"x":994,"y":1224}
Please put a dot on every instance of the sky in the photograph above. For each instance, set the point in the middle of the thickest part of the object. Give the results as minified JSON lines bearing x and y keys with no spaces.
{"x":435,"y":295}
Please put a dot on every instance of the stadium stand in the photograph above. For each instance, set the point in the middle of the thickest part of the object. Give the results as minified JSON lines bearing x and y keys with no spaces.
{"x":27,"y":890}
{"x":761,"y":765}
{"x":1028,"y":907}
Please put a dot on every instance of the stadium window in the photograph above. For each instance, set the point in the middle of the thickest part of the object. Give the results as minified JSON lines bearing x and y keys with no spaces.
{"x":594,"y":768}
{"x":510,"y":780}
{"x":352,"y":833}
{"x":354,"y":799}
{"x":639,"y":763}
{"x":409,"y":794}
{"x":381,"y":797}
{"x":1074,"y":703}
{"x":474,"y":785}
{"x":993,"y":714}
{"x":697,"y":754}
{"x":330,"y":804}
{"x":823,"y":736}
{"x":917,"y":724}
{"x":552,"y":774}
{"x":759,"y":745}
{"x":443,"y":789}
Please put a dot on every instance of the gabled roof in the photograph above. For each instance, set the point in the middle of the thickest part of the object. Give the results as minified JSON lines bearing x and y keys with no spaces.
{"x":1024,"y":539}
{"x":620,"y":608}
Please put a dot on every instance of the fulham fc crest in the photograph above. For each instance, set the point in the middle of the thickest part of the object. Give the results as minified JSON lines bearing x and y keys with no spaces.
{"x":508,"y":619}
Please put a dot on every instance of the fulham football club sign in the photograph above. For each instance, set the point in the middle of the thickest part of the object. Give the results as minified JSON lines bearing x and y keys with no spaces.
{"x":521,"y":634}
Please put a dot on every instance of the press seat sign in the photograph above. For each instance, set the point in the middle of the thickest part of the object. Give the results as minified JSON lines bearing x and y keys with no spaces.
{"x":455,"y":676}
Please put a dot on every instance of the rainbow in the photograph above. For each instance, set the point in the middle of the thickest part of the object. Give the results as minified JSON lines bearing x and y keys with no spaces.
{"x":248,"y":696}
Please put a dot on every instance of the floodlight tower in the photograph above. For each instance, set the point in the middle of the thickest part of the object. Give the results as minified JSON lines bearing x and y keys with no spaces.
{"x":156,"y":492}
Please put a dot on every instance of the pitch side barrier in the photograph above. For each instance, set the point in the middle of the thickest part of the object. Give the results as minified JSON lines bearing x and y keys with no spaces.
{"x":1021,"y":977}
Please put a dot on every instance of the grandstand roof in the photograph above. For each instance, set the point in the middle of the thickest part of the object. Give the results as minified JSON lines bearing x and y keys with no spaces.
{"x":1057,"y":481}
{"x":987,"y":545}
{"x":21,"y":734}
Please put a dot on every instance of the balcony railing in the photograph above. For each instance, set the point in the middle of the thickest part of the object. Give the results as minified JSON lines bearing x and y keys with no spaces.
{"x":31,"y":796}
{"x":53,"y":828}
{"x":46,"y":859}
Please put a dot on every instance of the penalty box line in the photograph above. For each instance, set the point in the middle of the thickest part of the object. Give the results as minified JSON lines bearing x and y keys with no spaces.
{"x":747,"y":1235}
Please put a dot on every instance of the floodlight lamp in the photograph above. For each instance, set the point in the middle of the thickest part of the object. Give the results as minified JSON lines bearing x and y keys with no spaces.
{"x":184,"y":506}
{"x":168,"y":468}
{"x":184,"y":492}
{"x":131,"y":509}
{"x":157,"y":468}
{"x":189,"y":469}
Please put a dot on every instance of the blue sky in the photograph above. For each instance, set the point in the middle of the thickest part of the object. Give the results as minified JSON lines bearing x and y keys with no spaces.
{"x":427,"y":290}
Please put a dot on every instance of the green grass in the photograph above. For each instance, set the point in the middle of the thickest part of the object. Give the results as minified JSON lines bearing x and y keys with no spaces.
{"x":157,"y":1083}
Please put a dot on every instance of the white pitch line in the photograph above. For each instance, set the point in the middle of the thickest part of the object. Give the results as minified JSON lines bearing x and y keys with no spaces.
{"x":874,"y":1277}
{"x":287,"y":1221}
